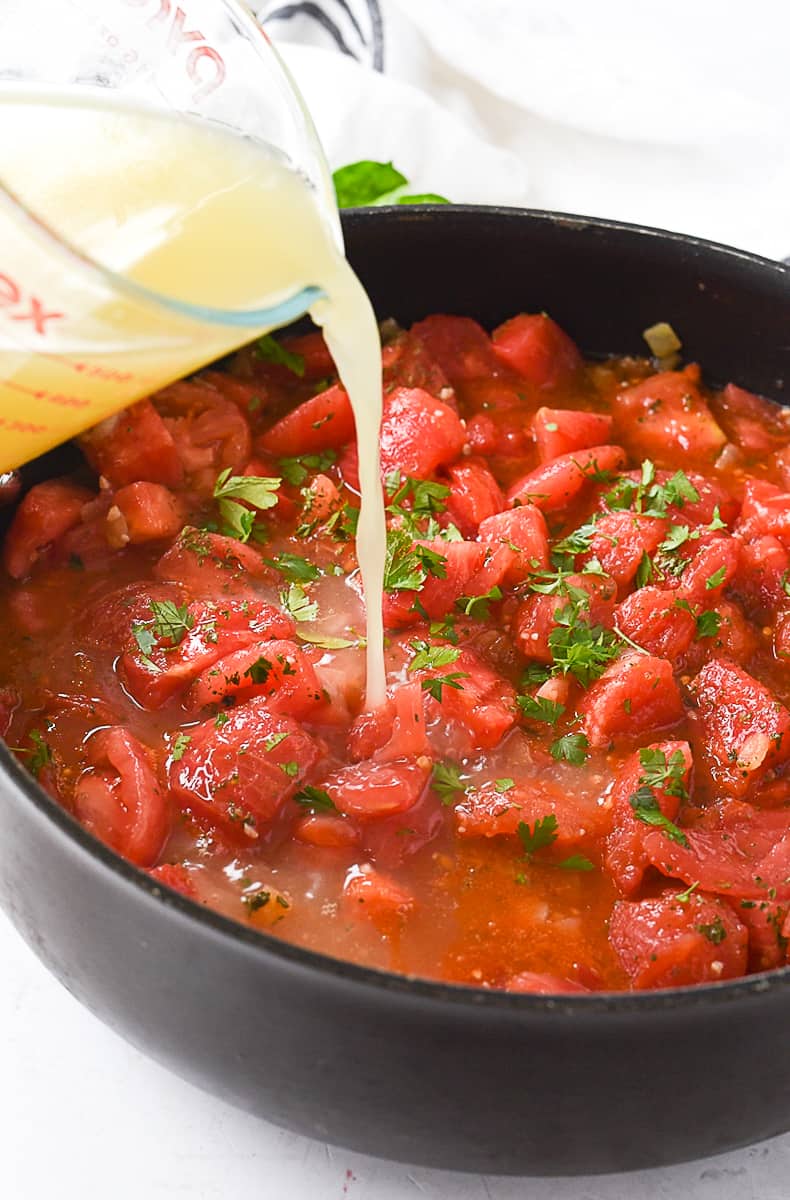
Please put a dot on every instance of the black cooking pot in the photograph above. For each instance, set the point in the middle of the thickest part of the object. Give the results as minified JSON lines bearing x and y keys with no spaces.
{"x":431,"y":1074}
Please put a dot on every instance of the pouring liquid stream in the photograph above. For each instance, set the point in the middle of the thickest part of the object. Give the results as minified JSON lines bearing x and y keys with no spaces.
{"x":190,"y":212}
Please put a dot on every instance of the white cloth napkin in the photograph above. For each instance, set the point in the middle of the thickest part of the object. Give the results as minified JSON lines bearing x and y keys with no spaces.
{"x":676,"y":115}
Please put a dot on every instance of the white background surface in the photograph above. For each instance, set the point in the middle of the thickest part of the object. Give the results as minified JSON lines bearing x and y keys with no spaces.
{"x":84,"y":1116}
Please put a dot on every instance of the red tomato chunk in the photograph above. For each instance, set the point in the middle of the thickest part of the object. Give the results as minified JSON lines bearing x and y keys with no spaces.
{"x":579,"y":780}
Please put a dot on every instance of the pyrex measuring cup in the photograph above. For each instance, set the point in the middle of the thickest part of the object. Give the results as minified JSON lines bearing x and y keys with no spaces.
{"x":130,"y":132}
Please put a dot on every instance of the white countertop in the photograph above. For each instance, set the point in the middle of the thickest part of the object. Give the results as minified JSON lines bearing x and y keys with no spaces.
{"x":83,"y":1116}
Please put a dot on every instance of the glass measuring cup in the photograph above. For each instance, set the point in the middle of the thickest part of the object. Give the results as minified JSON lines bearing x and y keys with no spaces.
{"x":129,"y":133}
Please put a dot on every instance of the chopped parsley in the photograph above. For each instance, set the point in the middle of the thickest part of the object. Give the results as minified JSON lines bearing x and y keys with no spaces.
{"x":171,"y":621}
{"x":538,"y":708}
{"x":295,"y":470}
{"x":294,"y":568}
{"x":572,"y":747}
{"x":708,"y":624}
{"x":40,"y":755}
{"x":479,"y":607}
{"x":407,"y":565}
{"x":315,"y":799}
{"x":429,"y":657}
{"x":435,"y":684}
{"x":714,"y":931}
{"x":543,"y":834}
{"x":716,"y":579}
{"x":504,"y":785}
{"x":298,"y":603}
{"x":580,"y":649}
{"x":257,"y":490}
{"x":259,"y":671}
{"x":290,"y":769}
{"x":659,"y":773}
{"x":446,"y":782}
{"x":273,"y":740}
{"x":270,"y":350}
{"x":179,"y":747}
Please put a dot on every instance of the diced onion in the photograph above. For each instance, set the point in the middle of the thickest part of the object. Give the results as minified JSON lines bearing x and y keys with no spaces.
{"x":662,"y":340}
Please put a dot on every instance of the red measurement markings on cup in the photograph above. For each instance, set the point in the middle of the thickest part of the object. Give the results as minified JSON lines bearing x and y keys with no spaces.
{"x":58,"y":398}
{"x":205,"y":66}
{"x":18,"y":305}
{"x":14,"y":425}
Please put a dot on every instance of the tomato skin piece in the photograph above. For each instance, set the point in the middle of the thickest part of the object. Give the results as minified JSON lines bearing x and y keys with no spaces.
{"x":47,"y":512}
{"x":408,"y":362}
{"x":133,"y":445}
{"x":177,"y":877}
{"x":620,"y":541}
{"x":560,"y":431}
{"x":625,"y":855}
{"x":661,"y":942}
{"x":538,"y":349}
{"x":636,"y":695}
{"x":554,"y":485}
{"x":327,"y":831}
{"x":208,"y":564}
{"x":524,"y":532}
{"x":367,"y":790}
{"x":651,"y":618}
{"x":287,"y":678}
{"x":764,"y":566}
{"x":666,"y":413}
{"x":324,"y":422}
{"x":232,"y":776}
{"x":121,"y":801}
{"x":486,"y":812}
{"x":150,"y":512}
{"x":475,"y":495}
{"x":745,"y":730}
{"x":541,"y":984}
{"x":371,"y":894}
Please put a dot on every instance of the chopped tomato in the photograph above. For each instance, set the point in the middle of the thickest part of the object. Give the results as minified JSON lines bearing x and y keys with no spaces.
{"x":555,"y":484}
{"x":278,"y":669}
{"x":366,"y":790}
{"x":177,"y":877}
{"x":133,"y":445}
{"x":753,"y":423}
{"x":327,"y":831}
{"x":408,"y":362}
{"x":474,"y":710}
{"x":237,"y":773}
{"x":666,"y":415}
{"x":538,"y":349}
{"x":622,"y":541}
{"x":636,"y":695}
{"x":746,"y":730}
{"x":210,"y":432}
{"x":560,"y":431}
{"x":460,"y":571}
{"x":523,"y":531}
{"x":626,"y":857}
{"x":474,"y":496}
{"x":120,"y":800}
{"x":655,"y":620}
{"x":418,"y":433}
{"x":535,"y":617}
{"x":47,"y":511}
{"x":460,"y":346}
{"x":324,"y":422}
{"x":489,"y":811}
{"x":666,"y":942}
{"x":371,"y":894}
{"x":712,"y":568}
{"x":209,"y":564}
{"x":148,"y":512}
{"x":154,"y":667}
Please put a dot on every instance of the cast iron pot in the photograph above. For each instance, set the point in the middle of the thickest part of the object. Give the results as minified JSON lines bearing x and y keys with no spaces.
{"x":407,"y":1069}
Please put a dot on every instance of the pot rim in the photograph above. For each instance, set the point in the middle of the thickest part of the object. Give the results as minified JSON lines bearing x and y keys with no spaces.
{"x":461,"y":996}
